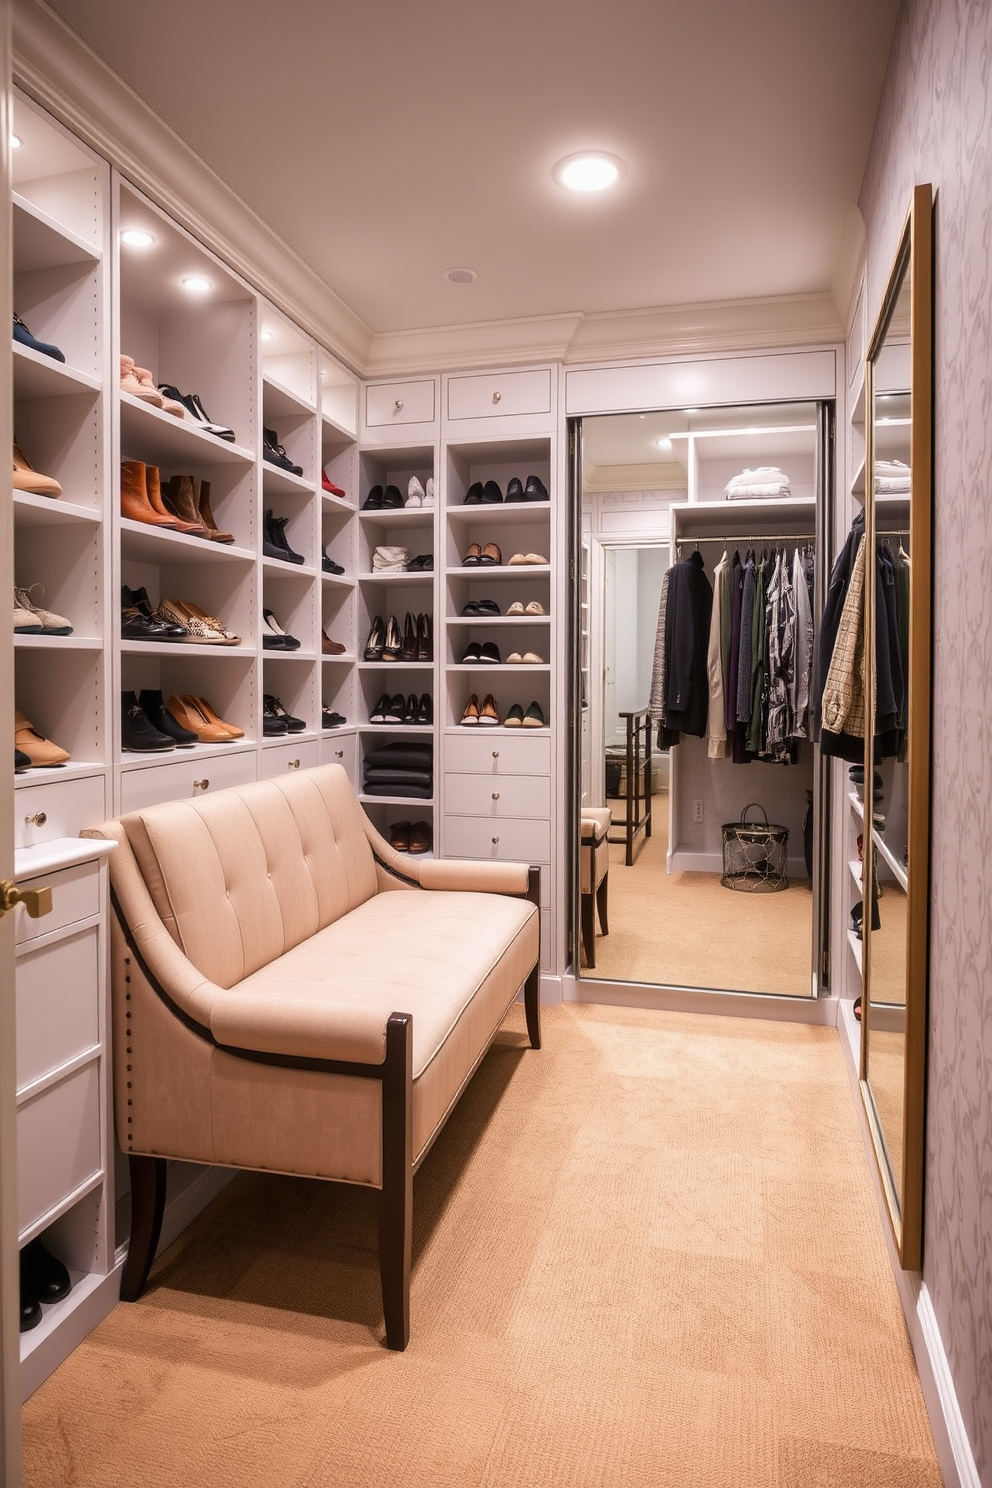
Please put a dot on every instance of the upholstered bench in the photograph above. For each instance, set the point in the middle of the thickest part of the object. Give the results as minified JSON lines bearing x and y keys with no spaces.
{"x":594,"y":875}
{"x":292,"y":995}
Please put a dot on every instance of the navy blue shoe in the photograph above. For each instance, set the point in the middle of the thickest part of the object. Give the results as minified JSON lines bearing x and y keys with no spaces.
{"x":24,"y":336}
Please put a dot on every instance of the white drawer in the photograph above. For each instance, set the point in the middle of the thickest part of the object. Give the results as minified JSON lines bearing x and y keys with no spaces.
{"x":341,"y":749}
{"x":511,"y":840}
{"x":58,"y":808}
{"x":184,"y":779}
{"x":399,"y":403}
{"x":277,"y":759}
{"x":510,"y":795}
{"x":57,"y":996}
{"x":498,"y":394}
{"x":498,"y":756}
{"x":75,"y":896}
{"x":58,"y":1144}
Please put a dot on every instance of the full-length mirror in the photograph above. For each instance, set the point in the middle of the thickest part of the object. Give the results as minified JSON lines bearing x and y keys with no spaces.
{"x":896,"y":769}
{"x":698,"y":771}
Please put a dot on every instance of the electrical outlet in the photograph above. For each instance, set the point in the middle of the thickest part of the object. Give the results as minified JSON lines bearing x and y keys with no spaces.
{"x":697,"y":810}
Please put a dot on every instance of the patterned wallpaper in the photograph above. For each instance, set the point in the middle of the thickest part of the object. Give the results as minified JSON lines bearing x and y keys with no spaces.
{"x":935,"y":124}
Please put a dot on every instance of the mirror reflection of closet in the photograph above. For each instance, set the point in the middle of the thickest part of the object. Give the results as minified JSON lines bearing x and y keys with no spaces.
{"x":658,"y":490}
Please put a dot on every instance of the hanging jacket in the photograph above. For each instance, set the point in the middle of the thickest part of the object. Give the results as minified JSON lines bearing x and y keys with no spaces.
{"x":714,"y":663}
{"x":746,"y":658}
{"x":840,"y":578}
{"x":687,"y":626}
{"x":804,"y":649}
{"x":756,"y":729}
{"x":842,"y":727}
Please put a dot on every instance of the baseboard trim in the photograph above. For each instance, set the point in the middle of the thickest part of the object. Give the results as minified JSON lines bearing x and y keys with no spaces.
{"x":191,"y":1198}
{"x":685,"y":860}
{"x":815,"y":1010}
{"x":950,"y":1437}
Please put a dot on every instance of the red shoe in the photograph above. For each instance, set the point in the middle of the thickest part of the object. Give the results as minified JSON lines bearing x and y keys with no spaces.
{"x":328,"y":485}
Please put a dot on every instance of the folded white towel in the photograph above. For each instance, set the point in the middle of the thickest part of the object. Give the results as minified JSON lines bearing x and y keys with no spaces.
{"x":891,"y":467}
{"x":390,"y":560}
{"x":892,"y":485}
{"x":766,"y":480}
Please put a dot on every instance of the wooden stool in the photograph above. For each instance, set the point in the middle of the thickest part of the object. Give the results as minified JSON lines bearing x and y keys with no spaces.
{"x":594,"y":858}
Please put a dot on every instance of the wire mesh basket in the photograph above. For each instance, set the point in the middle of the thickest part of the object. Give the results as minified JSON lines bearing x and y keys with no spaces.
{"x":755,"y":854}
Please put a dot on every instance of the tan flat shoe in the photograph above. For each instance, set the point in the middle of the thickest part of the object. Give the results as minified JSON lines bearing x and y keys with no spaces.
{"x":189,"y":716}
{"x":39,"y":750}
{"x":226,"y":637}
{"x":488,"y":713}
{"x":212,"y":716}
{"x":26,"y":478}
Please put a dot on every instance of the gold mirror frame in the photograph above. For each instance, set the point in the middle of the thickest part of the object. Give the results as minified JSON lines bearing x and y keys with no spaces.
{"x":902,"y":1180}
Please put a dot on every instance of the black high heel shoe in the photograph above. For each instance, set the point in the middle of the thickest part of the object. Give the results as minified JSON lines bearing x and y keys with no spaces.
{"x":376,"y":641}
{"x":393,"y":648}
{"x":425,"y":639}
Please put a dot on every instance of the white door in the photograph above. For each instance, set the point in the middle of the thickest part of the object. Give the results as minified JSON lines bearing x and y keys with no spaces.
{"x":10,"y":1390}
{"x":609,"y":646}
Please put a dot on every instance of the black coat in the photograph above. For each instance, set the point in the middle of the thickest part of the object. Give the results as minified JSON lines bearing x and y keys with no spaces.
{"x":687,"y":634}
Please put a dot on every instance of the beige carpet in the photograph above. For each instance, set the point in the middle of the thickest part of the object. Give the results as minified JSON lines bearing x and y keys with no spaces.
{"x":687,"y":930}
{"x":647,"y":1257}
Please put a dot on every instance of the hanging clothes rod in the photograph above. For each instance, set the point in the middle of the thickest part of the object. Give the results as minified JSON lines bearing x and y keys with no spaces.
{"x":742,"y":538}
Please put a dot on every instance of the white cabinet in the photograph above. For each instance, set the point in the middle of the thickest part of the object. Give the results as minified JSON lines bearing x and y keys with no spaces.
{"x":278,"y":759}
{"x":64,"y":1121}
{"x":499,"y":394}
{"x":399,"y":404}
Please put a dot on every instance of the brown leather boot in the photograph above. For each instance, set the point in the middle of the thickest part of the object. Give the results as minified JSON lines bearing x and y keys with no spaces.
{"x":179,"y":497}
{"x":157,"y":502}
{"x":207,"y":517}
{"x":135,"y":504}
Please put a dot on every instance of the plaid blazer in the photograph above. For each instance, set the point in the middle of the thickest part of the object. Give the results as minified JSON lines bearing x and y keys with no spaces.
{"x":843,"y":708}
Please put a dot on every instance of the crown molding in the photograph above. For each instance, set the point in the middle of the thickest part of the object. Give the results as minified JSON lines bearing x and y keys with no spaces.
{"x":674,"y":330}
{"x":56,"y":68}
{"x":850,"y":261}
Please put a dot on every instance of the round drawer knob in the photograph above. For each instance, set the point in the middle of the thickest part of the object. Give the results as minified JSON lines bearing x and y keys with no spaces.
{"x":398,"y":405}
{"x":495,"y":795}
{"x":339,"y":754}
{"x":495,"y":841}
{"x":496,"y":397}
{"x":38,"y":820}
{"x":292,"y":764}
{"x":203,"y":784}
{"x":495,"y":754}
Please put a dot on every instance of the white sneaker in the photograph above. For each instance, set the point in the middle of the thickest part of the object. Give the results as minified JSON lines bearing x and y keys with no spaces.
{"x":429,"y":493}
{"x":414,"y":493}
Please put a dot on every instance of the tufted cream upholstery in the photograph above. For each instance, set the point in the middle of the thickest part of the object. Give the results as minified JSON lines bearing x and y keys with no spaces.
{"x":257,"y":920}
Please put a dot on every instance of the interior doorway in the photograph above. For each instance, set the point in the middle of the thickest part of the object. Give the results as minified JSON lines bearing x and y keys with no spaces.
{"x":653,"y":493}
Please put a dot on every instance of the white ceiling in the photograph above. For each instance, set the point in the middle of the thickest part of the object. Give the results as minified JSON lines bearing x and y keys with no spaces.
{"x":388,"y":141}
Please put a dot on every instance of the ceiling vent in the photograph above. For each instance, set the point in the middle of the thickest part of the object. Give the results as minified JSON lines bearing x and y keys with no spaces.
{"x":460,"y":276}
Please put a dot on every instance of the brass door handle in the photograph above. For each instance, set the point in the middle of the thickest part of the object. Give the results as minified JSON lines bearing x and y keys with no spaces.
{"x":37,"y":901}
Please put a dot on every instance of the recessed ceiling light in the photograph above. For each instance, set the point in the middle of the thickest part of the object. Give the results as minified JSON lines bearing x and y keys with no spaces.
{"x":16,"y":142}
{"x":136,"y":237}
{"x":664,"y":444}
{"x":460,"y":276}
{"x":585,"y":172}
{"x":196,"y":284}
{"x":265,"y":336}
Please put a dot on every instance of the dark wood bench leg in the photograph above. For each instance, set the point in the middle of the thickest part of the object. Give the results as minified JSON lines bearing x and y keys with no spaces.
{"x":602,"y":894}
{"x":588,"y":917}
{"x":147,"y":1209}
{"x":396,"y":1195}
{"x":532,"y":986}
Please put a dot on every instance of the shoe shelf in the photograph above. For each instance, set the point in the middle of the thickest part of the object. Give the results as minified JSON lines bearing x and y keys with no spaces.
{"x":410,"y":580}
{"x":331,"y":503}
{"x":201,"y":753}
{"x":281,"y":741}
{"x":486,"y":668}
{"x":57,"y":643}
{"x":348,"y":659}
{"x":44,"y":511}
{"x":519,"y":513}
{"x":175,"y":648}
{"x":277,"y":569}
{"x":158,"y":438}
{"x":337,"y":581}
{"x":418,"y":517}
{"x":39,"y":376}
{"x":427,"y":803}
{"x":383,"y":667}
{"x":276,"y":482}
{"x":142,"y":543}
{"x":484,"y":621}
{"x":279,"y":401}
{"x":43,"y":242}
{"x":500,"y":571}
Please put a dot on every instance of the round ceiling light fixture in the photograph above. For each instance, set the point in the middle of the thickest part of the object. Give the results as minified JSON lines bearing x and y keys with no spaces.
{"x":588,"y":171}
{"x":196,"y":284}
{"x":664,"y":443}
{"x":136,"y":237}
{"x":265,"y":336}
{"x":460,"y":276}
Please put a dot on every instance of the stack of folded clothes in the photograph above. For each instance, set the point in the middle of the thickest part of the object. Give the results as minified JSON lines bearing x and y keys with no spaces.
{"x":892,"y":478}
{"x":403,"y":768}
{"x":390,"y":560}
{"x":767,"y":480}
